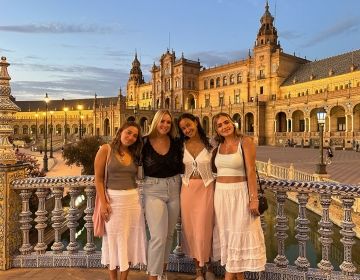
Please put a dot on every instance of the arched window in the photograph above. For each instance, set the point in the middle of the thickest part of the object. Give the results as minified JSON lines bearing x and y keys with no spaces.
{"x":217,"y":82}
{"x":225,"y":81}
{"x":212,"y":83}
{"x":239,"y":78}
{"x":232,"y":79}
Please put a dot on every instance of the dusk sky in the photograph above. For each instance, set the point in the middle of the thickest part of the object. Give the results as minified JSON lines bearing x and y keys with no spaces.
{"x":74,"y":49}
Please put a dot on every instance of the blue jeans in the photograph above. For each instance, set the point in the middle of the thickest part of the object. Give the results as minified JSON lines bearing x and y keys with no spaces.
{"x":162,"y":208}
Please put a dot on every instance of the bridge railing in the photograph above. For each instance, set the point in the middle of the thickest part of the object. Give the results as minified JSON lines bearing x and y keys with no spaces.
{"x":38,"y":254}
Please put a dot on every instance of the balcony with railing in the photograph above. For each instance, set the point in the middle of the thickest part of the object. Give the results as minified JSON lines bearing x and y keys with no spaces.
{"x":38,"y":222}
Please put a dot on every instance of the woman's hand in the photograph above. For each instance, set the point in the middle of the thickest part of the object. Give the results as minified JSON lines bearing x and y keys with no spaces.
{"x":105,"y":211}
{"x":254,"y":207}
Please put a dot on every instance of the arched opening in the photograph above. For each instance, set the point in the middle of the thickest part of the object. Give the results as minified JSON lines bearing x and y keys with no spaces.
{"x":25,"y":129}
{"x":191,"y":102}
{"x":144,"y":125}
{"x":280,"y":122}
{"x":298,"y":121}
{"x":167,"y":103}
{"x":356,"y":117}
{"x":249,"y":124}
{"x":131,"y":119}
{"x":237,"y":120}
{"x":206,"y":125}
{"x":106,"y":127}
{"x":337,"y":120}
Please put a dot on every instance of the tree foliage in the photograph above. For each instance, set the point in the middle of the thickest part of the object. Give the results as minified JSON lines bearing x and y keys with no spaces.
{"x":82,"y":153}
{"x":33,"y":168}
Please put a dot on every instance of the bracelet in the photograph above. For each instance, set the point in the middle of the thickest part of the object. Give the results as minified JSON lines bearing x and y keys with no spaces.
{"x":252,"y":196}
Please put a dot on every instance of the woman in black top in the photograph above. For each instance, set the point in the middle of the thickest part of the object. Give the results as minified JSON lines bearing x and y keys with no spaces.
{"x":162,"y":160}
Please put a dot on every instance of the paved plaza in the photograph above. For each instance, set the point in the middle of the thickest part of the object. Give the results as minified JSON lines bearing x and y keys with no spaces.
{"x":345,"y":166}
{"x":75,"y":274}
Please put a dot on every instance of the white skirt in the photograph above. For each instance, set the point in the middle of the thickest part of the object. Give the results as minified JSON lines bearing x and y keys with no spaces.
{"x":124,"y":241}
{"x":238,"y":237}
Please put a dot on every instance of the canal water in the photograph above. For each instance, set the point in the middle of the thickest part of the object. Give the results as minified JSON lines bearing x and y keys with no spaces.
{"x":313,"y":248}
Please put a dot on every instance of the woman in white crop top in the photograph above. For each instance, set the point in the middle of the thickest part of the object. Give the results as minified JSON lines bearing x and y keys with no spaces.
{"x":197,"y":195}
{"x":238,"y":236}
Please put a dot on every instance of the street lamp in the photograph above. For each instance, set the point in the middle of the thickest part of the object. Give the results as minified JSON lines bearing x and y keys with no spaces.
{"x":36,"y":127}
{"x":321,"y":167}
{"x":136,"y":107}
{"x":51,"y":133}
{"x":80,"y":107}
{"x":65,"y":128}
{"x":45,"y":159}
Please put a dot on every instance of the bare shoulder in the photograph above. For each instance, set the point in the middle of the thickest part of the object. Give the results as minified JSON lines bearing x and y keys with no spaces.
{"x":103,"y":150}
{"x":248,"y":142}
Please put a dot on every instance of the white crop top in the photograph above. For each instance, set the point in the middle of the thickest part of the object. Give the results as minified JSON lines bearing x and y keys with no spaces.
{"x":230,"y":164}
{"x":199,"y":165}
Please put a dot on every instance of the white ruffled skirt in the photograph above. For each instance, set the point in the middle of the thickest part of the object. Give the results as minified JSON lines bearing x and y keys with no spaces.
{"x":125,"y":239}
{"x":238,"y":237}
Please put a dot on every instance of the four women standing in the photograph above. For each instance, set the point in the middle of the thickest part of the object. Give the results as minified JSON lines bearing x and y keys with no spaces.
{"x":237,"y":238}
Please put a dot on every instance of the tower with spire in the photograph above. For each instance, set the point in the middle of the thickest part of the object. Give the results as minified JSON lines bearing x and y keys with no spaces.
{"x":267,"y":35}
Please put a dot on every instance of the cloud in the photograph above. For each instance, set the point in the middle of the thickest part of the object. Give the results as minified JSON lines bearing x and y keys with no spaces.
{"x":290,"y":35}
{"x":346,"y":26}
{"x":212,"y":58}
{"x":70,"y":82}
{"x":5,"y":50}
{"x":55,"y":28}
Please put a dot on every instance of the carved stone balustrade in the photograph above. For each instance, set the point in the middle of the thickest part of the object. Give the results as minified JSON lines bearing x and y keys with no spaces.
{"x":72,"y":255}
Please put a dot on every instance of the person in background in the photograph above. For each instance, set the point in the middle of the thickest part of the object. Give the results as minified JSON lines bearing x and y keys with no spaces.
{"x":124,"y":241}
{"x":238,"y":236}
{"x":197,"y":195}
{"x":162,"y":162}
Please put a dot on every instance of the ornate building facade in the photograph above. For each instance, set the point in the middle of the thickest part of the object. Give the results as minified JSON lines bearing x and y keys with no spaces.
{"x":272,"y":95}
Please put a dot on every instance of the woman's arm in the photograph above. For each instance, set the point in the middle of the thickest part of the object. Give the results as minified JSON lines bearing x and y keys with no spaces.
{"x":99,"y":166}
{"x":249,"y":150}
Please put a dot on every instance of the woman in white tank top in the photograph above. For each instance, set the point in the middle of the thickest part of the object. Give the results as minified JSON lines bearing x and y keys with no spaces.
{"x":238,"y":236}
{"x":197,"y":195}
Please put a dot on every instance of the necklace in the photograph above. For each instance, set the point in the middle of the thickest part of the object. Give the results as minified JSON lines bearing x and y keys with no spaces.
{"x":122,"y":155}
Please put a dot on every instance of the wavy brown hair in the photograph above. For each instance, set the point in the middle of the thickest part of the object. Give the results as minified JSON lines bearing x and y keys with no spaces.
{"x":134,"y":149}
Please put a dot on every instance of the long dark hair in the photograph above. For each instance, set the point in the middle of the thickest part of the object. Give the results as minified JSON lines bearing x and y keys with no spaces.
{"x":218,"y":138}
{"x":134,"y":149}
{"x":200,"y":129}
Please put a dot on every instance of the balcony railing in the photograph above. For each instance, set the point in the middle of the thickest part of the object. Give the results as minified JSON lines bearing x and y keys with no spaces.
{"x":38,"y":254}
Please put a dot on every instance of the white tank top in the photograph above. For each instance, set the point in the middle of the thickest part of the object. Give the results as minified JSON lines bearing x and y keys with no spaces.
{"x":230,"y":164}
{"x":199,"y":165}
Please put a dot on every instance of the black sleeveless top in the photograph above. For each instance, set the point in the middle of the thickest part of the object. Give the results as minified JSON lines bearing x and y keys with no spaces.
{"x":162,"y":166}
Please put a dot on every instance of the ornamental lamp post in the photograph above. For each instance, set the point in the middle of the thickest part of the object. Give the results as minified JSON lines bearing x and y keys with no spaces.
{"x":136,"y":110}
{"x":80,"y":107}
{"x":45,"y":159}
{"x":51,"y":133}
{"x":36,"y":127}
{"x":321,"y":116}
{"x":65,"y":125}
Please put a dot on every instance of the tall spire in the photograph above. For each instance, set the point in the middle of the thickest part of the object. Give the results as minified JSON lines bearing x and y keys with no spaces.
{"x":135,"y":72}
{"x":7,"y":114}
{"x":267,"y":34}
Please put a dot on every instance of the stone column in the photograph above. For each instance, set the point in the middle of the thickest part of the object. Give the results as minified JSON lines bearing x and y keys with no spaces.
{"x":10,"y":202}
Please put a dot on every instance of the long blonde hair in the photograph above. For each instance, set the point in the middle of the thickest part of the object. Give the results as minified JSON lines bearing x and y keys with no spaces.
{"x":157,"y":118}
